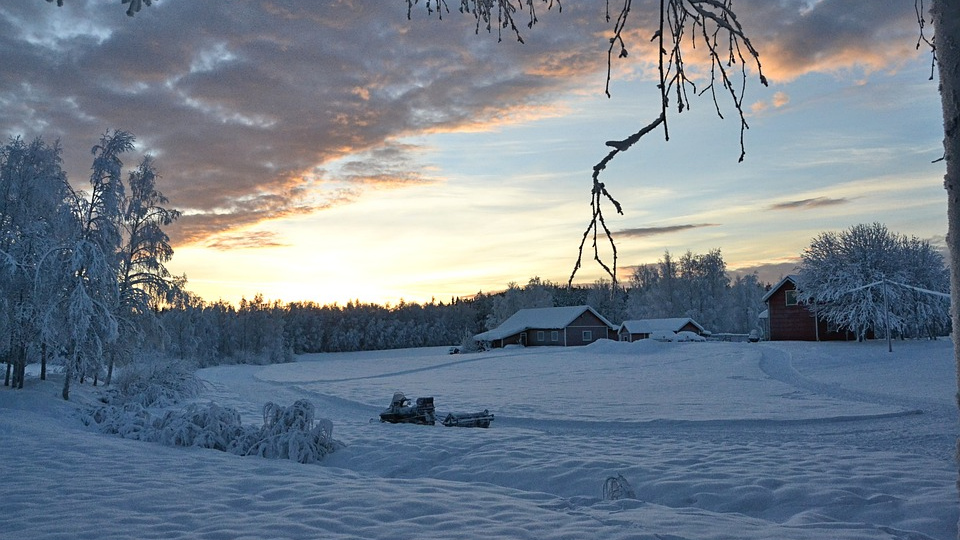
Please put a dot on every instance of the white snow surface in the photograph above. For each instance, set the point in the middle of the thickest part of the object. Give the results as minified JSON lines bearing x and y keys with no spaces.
{"x":718,"y":440}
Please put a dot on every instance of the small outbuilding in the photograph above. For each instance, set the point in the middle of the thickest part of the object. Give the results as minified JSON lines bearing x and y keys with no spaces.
{"x":789,"y":319}
{"x":646,"y":328}
{"x":555,"y":326}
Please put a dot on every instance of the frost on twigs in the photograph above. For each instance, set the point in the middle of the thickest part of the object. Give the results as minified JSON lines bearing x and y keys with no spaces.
{"x":133,"y":8}
{"x":488,"y":12}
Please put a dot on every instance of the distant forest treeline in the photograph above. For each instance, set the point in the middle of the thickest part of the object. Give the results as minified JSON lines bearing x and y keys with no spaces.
{"x":693,"y":285}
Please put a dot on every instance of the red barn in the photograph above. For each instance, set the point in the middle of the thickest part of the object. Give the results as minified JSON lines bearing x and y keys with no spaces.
{"x":791,"y":320}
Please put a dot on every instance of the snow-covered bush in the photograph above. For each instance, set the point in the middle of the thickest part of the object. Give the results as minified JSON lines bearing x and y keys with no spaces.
{"x":287,"y":433}
{"x":204,"y":426}
{"x":130,"y":421}
{"x":468,"y":344}
{"x":154,"y":381}
{"x":293,"y":433}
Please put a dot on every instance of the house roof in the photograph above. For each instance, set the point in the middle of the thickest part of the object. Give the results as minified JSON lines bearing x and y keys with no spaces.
{"x":792,"y":278}
{"x":648,"y":326}
{"x":552,"y":318}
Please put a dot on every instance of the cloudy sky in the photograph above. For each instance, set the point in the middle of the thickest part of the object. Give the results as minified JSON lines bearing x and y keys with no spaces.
{"x":336,"y":150}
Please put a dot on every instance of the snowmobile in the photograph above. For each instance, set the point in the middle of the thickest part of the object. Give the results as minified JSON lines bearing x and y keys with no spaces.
{"x":401,"y":412}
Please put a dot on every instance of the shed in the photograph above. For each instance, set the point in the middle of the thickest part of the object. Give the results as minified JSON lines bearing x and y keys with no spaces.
{"x":644,"y":328}
{"x":556,"y":326}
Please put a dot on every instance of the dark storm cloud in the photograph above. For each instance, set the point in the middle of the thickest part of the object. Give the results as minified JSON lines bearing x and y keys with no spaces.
{"x":800,"y":36}
{"x":805,"y":204}
{"x":242,"y":103}
{"x":654,"y":231}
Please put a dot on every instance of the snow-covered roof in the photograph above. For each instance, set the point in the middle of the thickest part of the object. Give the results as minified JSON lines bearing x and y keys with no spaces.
{"x":793,"y":278}
{"x":552,"y":318}
{"x":649,"y":326}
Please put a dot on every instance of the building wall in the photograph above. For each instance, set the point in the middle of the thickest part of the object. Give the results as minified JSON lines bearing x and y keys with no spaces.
{"x":797,"y":322}
{"x":794,"y":323}
{"x":587,"y":322}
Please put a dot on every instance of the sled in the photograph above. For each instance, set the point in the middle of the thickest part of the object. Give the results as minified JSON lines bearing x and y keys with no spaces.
{"x":479,"y":419}
{"x":401,"y":412}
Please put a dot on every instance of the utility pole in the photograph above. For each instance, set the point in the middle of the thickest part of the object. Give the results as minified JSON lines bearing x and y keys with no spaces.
{"x":886,"y":313}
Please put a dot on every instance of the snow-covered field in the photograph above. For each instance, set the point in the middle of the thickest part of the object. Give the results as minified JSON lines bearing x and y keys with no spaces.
{"x":718,"y":440}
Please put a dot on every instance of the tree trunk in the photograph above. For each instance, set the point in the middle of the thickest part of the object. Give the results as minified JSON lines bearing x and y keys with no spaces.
{"x":110,"y":368}
{"x":67,"y":375}
{"x":6,"y":377}
{"x":20,"y":369}
{"x":946,"y":23}
{"x":43,"y":362}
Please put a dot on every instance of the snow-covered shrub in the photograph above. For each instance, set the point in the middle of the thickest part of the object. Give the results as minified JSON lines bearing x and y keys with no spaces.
{"x":293,"y":433}
{"x":204,"y":426}
{"x":468,"y":344}
{"x":287,"y":433}
{"x":154,"y":381}
{"x":130,"y":421}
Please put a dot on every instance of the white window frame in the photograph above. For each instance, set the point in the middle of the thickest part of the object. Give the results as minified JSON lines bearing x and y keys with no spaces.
{"x":587,"y":336}
{"x":791,"y":294}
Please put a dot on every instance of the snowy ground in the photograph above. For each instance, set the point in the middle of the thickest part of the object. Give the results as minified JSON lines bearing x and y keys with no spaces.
{"x":719,"y":440}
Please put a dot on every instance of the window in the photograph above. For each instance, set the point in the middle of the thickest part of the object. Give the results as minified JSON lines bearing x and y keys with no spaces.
{"x":554,"y":335}
{"x":791,"y":297}
{"x":540,"y":335}
{"x":587,"y":335}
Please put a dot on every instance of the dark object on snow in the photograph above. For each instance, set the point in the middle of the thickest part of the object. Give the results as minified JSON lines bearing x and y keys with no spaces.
{"x":401,"y":412}
{"x":480,"y":419}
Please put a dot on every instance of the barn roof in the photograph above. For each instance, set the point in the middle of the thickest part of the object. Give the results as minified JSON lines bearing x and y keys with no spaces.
{"x":792,"y":278}
{"x":552,"y":318}
{"x":649,"y":326}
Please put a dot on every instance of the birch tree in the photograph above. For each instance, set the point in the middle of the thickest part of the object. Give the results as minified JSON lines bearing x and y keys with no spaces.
{"x":143,"y":281}
{"x":81,"y":312}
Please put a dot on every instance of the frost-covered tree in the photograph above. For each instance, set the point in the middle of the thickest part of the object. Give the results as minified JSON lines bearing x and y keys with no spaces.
{"x":608,"y":299}
{"x":867,"y":277}
{"x":536,"y":294}
{"x":143,"y":281}
{"x":696,"y":285}
{"x":745,"y":303}
{"x":83,"y":290}
{"x":34,"y":218}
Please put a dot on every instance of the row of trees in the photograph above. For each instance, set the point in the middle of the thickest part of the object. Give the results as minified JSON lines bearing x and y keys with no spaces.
{"x":81,"y":273}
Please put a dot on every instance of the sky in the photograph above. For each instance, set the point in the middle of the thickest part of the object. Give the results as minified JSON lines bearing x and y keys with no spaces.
{"x":337,"y":151}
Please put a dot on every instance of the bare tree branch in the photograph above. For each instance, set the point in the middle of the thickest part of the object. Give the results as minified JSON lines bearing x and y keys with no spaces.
{"x":714,"y":23}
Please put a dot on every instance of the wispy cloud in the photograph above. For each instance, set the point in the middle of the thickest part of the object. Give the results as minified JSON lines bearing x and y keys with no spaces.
{"x":642,"y":232}
{"x":249,"y":240}
{"x":806,"y":204}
